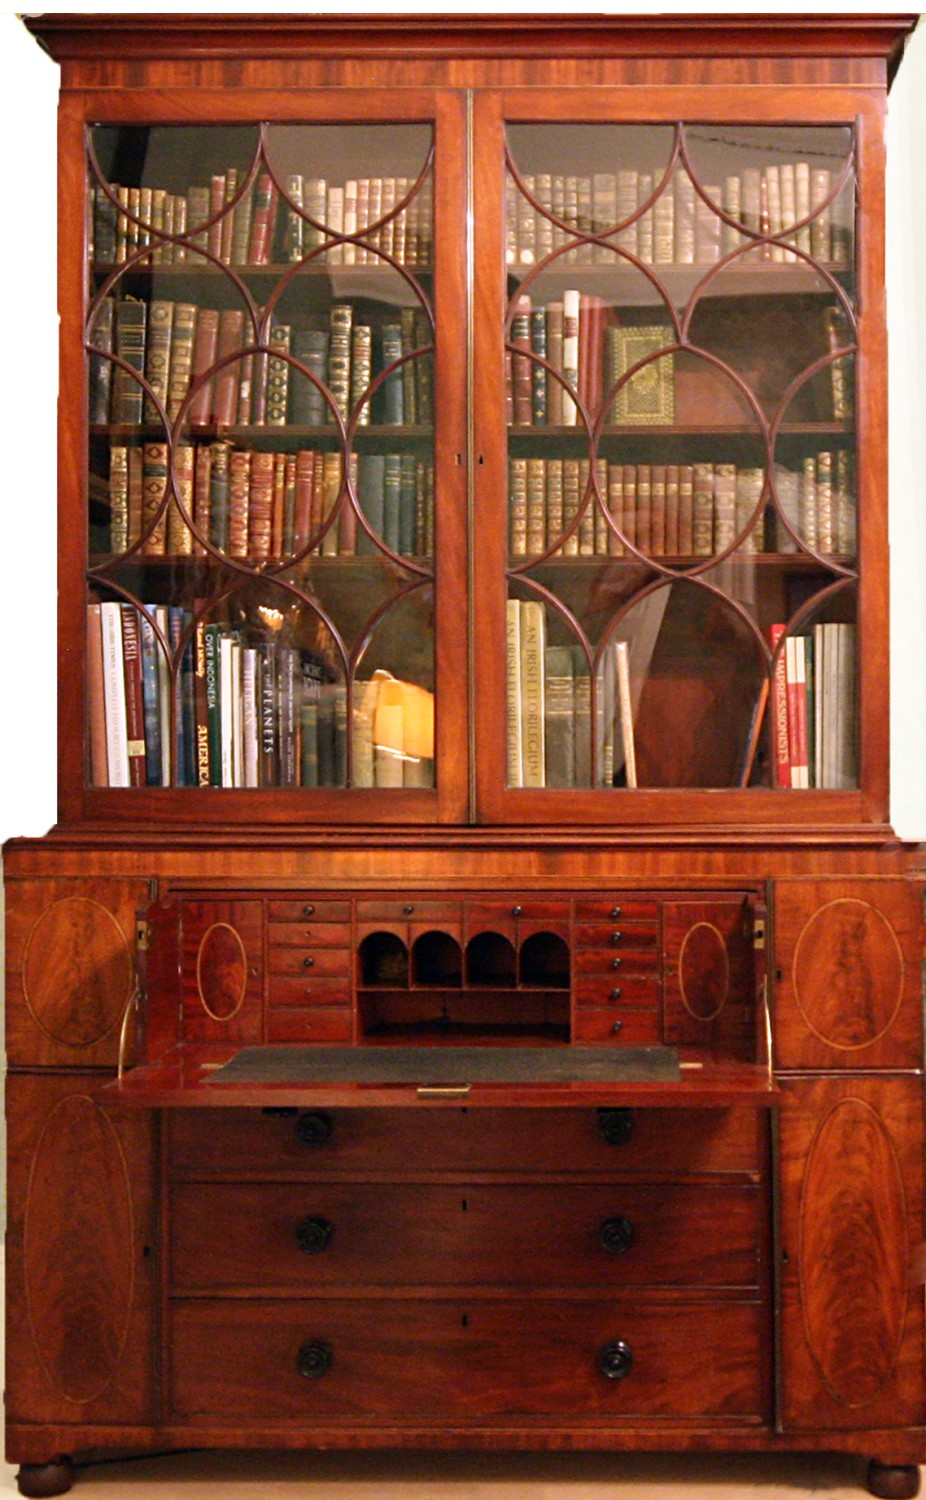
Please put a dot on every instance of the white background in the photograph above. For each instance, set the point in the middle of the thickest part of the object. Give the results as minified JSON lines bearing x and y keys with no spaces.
{"x":28,"y":384}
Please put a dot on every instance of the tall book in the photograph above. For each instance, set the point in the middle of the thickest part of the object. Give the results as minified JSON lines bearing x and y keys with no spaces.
{"x":513,"y":681}
{"x":533,"y":633}
{"x":117,"y":748}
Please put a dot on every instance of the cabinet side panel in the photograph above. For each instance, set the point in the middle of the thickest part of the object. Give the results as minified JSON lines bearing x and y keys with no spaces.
{"x":70,"y":969}
{"x":80,"y":1262}
{"x":851,"y":1213}
{"x":848,"y":957}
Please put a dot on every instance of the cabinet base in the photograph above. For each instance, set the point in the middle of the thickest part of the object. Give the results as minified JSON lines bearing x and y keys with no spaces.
{"x":893,"y":1481}
{"x":46,"y":1479}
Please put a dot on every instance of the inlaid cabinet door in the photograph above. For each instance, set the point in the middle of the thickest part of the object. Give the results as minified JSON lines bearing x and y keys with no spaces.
{"x":70,"y":969}
{"x":848,"y":973}
{"x":851,"y":1214}
{"x":221,"y":969}
{"x":80,"y":1258}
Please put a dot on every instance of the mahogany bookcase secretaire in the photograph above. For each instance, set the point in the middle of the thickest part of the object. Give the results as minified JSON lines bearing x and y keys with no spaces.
{"x":472,"y":995}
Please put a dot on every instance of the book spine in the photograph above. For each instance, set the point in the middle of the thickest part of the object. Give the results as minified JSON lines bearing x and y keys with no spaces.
{"x":532,"y":692}
{"x":781,"y":751}
{"x":117,"y":753}
{"x":96,"y":703}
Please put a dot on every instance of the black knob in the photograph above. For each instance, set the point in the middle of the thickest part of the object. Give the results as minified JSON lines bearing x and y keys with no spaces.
{"x":617,"y":1026}
{"x":308,"y":961}
{"x":615,"y":937}
{"x":408,"y":910}
{"x":615,"y":963}
{"x":615,"y":913}
{"x":615,"y":1359}
{"x":615,"y":1125}
{"x":314,"y":1359}
{"x":616,"y":993}
{"x":308,"y":911}
{"x":615,"y":1235}
{"x":517,"y":911}
{"x":313,"y":1129}
{"x":314,"y":1234}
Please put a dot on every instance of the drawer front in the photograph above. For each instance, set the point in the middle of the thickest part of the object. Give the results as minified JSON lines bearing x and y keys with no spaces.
{"x":619,"y":989}
{"x":286,"y":1237}
{"x":309,"y":934}
{"x":452,"y":1139}
{"x":312,"y":1023}
{"x":310,"y":960}
{"x":308,"y":991}
{"x":405,"y":908}
{"x":616,"y":960}
{"x":620,"y":935}
{"x":308,"y":908}
{"x":627,"y":1028}
{"x":617,"y":908}
{"x":324,"y":1359}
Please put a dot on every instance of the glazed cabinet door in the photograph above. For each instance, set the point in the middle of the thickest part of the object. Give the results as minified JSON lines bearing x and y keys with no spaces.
{"x":670,"y":471}
{"x":272,"y":449}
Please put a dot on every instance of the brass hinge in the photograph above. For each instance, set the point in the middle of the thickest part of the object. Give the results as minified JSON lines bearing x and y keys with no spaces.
{"x":141,"y":935}
{"x":758,"y":933}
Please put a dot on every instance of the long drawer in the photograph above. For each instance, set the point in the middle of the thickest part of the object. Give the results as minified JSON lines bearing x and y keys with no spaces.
{"x":407,"y":1142}
{"x":369,"y":1359}
{"x":238,"y":1237}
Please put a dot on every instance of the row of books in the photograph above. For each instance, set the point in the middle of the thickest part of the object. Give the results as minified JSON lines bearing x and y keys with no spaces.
{"x":581,"y":338}
{"x":680,"y":510}
{"x":265,"y":506}
{"x":249,"y":223}
{"x":551,"y":717}
{"x":787,"y":200}
{"x":248,"y":712}
{"x":813,"y":700}
{"x":178,"y":346}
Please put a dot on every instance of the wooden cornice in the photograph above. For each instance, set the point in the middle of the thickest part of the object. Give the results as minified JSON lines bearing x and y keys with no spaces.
{"x":130,"y":35}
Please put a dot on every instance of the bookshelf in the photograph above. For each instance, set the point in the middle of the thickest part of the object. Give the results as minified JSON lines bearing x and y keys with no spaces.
{"x":473,"y":804}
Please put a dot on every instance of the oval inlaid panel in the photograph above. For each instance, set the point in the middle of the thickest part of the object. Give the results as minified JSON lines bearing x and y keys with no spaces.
{"x":703,"y":971}
{"x":221,"y":971}
{"x":848,"y":974}
{"x":853,"y":1286}
{"x":78,"y":1250}
{"x":77,"y":971}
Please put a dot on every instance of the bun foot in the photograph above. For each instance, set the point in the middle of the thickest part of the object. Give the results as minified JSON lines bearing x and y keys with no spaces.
{"x":47,"y":1479}
{"x":893,"y":1481}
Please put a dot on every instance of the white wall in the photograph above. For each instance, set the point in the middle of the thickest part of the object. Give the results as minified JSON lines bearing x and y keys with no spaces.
{"x":28,"y":86}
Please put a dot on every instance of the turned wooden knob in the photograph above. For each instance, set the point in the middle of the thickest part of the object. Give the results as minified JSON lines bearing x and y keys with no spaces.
{"x":313,"y":1234}
{"x":615,"y":1359}
{"x":615,"y":1235}
{"x":313,"y":1129}
{"x":308,"y":911}
{"x":615,"y":1125}
{"x":314,"y":1359}
{"x":308,"y":961}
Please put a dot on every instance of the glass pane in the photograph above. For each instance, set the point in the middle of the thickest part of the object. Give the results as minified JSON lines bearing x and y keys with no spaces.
{"x":680,"y":347}
{"x":261,"y":461}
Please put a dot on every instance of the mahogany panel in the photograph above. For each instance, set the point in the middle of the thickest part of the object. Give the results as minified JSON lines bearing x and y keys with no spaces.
{"x":462,"y":1357}
{"x":222,"y":969}
{"x":316,"y":934}
{"x":309,"y":960}
{"x":309,"y":908}
{"x":310,"y":1023}
{"x":308,"y":991}
{"x":621,"y":988}
{"x":70,"y":968}
{"x":307,"y":1236}
{"x":80,"y":1270}
{"x":851,"y":1215}
{"x":606,"y":960}
{"x":369,"y":1142}
{"x":848,"y":973}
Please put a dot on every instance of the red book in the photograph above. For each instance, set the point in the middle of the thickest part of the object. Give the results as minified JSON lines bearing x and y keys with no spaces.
{"x":781,"y":749}
{"x":260,"y":505}
{"x":796,"y":673}
{"x":262,"y":221}
{"x":134,"y":701}
{"x":205,"y":347}
{"x":230,"y":339}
